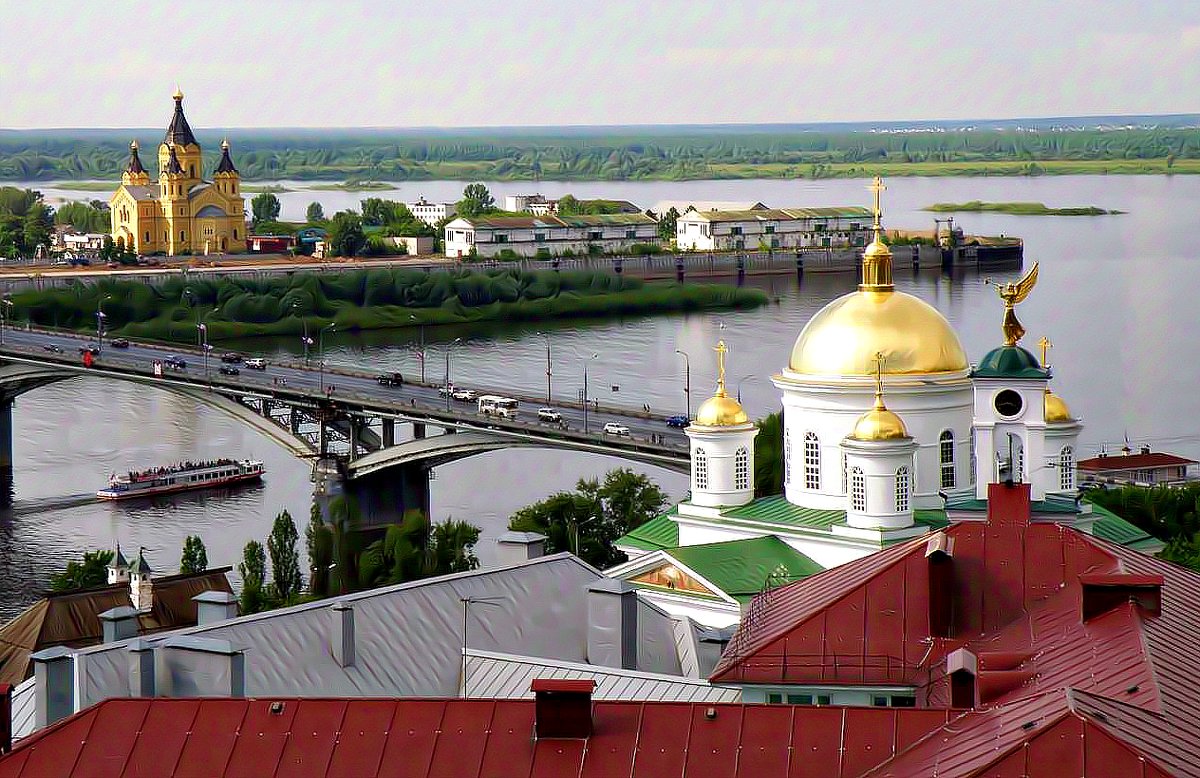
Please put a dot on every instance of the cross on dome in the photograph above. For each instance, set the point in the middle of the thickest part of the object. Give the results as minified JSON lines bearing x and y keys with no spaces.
{"x":877,"y":187}
{"x":721,"y":352}
{"x":1046,"y":345}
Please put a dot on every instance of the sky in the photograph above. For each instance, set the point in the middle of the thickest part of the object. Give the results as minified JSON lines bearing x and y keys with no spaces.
{"x":463,"y":63}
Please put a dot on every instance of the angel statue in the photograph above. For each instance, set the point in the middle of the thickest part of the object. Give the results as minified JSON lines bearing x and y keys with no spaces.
{"x":1013,"y":294}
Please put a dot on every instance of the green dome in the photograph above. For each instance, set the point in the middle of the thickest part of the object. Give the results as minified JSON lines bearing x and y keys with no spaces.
{"x":1010,"y":362}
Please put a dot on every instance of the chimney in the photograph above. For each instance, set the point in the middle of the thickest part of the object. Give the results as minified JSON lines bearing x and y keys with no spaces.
{"x":1008,"y":504}
{"x":962,"y":669}
{"x":141,"y":668}
{"x":516,"y":547}
{"x":187,"y":666}
{"x":119,"y":623}
{"x":1104,"y":591}
{"x":54,"y":687}
{"x":612,"y":635}
{"x":6,"y":728}
{"x":213,"y":606}
{"x":562,"y":707}
{"x":939,"y":554}
{"x":342,"y":634}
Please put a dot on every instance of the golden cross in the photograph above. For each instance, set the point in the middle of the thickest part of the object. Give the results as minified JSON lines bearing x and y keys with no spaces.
{"x":1045,"y":344}
{"x":721,"y":352}
{"x":878,"y":360}
{"x":877,"y":187}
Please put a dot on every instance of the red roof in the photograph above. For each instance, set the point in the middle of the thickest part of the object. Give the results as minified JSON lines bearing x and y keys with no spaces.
{"x":1133,"y":462}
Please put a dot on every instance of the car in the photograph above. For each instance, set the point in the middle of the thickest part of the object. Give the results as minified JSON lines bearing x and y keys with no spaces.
{"x":175,"y":362}
{"x":465,"y":395}
{"x":679,"y":421}
{"x":119,"y":343}
{"x":229,"y":370}
{"x":53,"y":348}
{"x":445,"y":390}
{"x":549,"y":415}
{"x":390,"y":379}
{"x":612,"y":428}
{"x":89,"y":350}
{"x":231,"y":358}
{"x":255,"y":364}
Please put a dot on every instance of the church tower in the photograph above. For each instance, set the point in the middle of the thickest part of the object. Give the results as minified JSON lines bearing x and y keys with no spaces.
{"x":226,"y":177}
{"x":135,"y":174}
{"x":722,"y":442}
{"x":180,"y":137}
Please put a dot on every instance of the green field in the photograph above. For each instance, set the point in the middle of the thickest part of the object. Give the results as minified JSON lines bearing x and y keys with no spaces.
{"x":1018,"y":209}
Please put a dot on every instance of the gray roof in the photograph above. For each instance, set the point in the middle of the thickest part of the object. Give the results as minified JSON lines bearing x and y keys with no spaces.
{"x":140,"y":192}
{"x":509,"y":676}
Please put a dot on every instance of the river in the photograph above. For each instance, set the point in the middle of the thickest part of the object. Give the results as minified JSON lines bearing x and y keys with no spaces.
{"x":1116,"y":296}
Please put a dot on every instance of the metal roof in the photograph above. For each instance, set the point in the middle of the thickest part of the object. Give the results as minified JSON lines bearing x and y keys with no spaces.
{"x":520,"y":221}
{"x":740,"y":568}
{"x":1133,"y":462}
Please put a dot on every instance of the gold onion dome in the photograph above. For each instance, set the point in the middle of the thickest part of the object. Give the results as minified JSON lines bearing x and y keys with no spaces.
{"x":178,"y":93}
{"x":721,"y":410}
{"x":845,"y":336}
{"x":1057,"y":411}
{"x":879,"y":423}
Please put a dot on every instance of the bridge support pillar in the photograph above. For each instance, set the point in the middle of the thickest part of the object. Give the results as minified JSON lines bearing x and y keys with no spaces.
{"x":356,"y":426}
{"x":266,"y":408}
{"x":388,"y":432}
{"x":384,"y":497}
{"x":418,"y":430}
{"x":294,"y":420}
{"x":322,"y":438}
{"x":6,"y":453}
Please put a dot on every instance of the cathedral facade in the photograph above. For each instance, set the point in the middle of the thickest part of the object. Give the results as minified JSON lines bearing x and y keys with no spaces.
{"x":180,"y":213}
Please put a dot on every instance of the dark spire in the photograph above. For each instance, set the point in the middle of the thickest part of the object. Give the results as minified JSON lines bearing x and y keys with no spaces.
{"x":173,"y":165}
{"x":226,"y":164}
{"x":178,"y":130}
{"x":135,"y":162}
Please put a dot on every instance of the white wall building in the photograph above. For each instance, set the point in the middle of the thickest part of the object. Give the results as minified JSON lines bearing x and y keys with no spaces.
{"x":773,"y":228}
{"x":432,"y":213}
{"x":533,"y":203}
{"x":532,"y":236}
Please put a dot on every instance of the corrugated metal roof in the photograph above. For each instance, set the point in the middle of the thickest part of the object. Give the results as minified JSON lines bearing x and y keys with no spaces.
{"x":532,"y":222}
{"x":659,"y":532}
{"x":740,"y":568}
{"x":1113,"y":528}
{"x":776,"y":509}
{"x":1133,"y":462}
{"x":508,"y":676}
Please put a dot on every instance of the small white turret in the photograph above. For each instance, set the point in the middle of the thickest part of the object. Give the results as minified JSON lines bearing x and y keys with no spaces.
{"x":722,"y":441}
{"x":118,"y":568}
{"x":141,"y":588}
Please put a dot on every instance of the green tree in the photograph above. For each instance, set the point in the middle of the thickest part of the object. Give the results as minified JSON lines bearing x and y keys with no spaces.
{"x":253,"y":570}
{"x":568,"y":205}
{"x":476,"y":201}
{"x":453,"y":547}
{"x":91,"y":571}
{"x":768,"y":456}
{"x":666,"y":224}
{"x":86,"y":217}
{"x":319,"y":541}
{"x":415,"y":549}
{"x":315,"y":213}
{"x":264,"y":208}
{"x":346,"y":236}
{"x":285,"y":559}
{"x":37,"y":226}
{"x":195,"y":556}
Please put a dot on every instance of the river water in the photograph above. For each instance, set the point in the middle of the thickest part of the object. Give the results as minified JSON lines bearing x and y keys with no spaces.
{"x":1116,"y":295}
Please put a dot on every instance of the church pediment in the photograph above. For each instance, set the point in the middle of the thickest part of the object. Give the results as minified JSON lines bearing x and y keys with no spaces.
{"x":674,"y":577}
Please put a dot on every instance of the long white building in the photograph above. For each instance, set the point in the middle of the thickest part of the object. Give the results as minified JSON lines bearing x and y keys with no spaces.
{"x":774,"y":228}
{"x":532,"y":236}
{"x":432,"y":213}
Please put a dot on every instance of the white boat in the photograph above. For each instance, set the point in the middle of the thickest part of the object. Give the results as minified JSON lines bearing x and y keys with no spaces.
{"x":181,"y":477}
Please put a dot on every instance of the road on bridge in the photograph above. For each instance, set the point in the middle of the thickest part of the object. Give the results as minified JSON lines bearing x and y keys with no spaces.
{"x":419,"y":401}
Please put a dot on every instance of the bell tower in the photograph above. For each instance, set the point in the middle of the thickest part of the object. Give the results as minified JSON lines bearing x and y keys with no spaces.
{"x":187,"y":149}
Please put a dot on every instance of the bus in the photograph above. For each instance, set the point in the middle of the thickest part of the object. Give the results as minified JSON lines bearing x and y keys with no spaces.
{"x":491,"y":405}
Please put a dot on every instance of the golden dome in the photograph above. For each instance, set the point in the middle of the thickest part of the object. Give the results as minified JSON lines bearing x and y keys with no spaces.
{"x":879,"y":424}
{"x":721,"y":410}
{"x":178,"y":93}
{"x":1056,"y":409}
{"x":844,"y":337}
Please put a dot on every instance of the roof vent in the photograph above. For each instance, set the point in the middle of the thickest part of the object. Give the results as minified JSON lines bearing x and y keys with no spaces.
{"x":563,"y":708}
{"x":1104,"y":591}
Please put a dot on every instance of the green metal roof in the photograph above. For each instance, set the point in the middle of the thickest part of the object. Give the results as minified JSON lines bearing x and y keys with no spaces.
{"x":740,"y":568}
{"x":1009,"y":362}
{"x":777,"y":510}
{"x":1112,"y":527}
{"x":660,"y":532}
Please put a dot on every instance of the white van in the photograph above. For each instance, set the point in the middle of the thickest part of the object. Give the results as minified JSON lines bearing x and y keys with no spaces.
{"x":491,"y":405}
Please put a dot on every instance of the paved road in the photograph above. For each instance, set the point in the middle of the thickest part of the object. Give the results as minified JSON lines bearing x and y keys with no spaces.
{"x":359,"y":387}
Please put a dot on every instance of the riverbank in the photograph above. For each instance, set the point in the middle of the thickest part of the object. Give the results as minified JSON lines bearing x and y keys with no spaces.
{"x":1019,"y":209}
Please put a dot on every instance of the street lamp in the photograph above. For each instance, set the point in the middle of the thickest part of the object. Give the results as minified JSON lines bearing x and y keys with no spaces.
{"x":5,"y":314}
{"x":687,"y":380}
{"x":321,"y":354}
{"x":100,"y":316}
{"x":202,"y":338}
{"x":305,"y":340}
{"x":549,"y":365}
{"x":750,"y":376}
{"x":446,"y":386}
{"x":585,"y":391}
{"x":421,"y":353}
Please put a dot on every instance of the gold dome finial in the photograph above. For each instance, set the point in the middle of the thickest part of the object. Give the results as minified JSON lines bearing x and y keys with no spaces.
{"x":1045,"y":344}
{"x":721,"y":410}
{"x":225,"y":144}
{"x":1012,"y":294}
{"x":877,"y":257}
{"x":879,"y":423}
{"x":133,"y":145}
{"x":178,"y":96}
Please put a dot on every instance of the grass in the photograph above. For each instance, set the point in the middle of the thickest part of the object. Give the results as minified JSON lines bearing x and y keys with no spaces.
{"x":87,"y":186}
{"x":272,"y":188}
{"x":1018,"y":208}
{"x":353,"y":186}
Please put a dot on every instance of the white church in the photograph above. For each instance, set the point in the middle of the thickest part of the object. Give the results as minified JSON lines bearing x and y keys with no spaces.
{"x":889,"y":432}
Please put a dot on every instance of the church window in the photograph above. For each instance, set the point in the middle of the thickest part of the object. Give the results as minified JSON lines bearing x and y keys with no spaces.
{"x":902,"y":489}
{"x":946,"y":454}
{"x":741,"y":469}
{"x":1066,"y":469}
{"x":812,"y":461}
{"x":182,"y":236}
{"x":787,"y":456}
{"x":147,"y":236}
{"x":1018,"y":474}
{"x":235,"y":233}
{"x":858,"y":490}
{"x":701,"y":469}
{"x":192,"y":170}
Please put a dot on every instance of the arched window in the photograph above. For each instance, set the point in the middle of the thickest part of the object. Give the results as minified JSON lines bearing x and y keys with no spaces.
{"x":787,"y":456}
{"x":858,"y":490}
{"x":235,"y":233}
{"x":946,"y":457}
{"x":700,"y":468}
{"x":903,"y":488}
{"x":182,"y":236}
{"x":845,"y":473}
{"x":812,"y":461}
{"x":741,"y":469}
{"x":1066,"y":469}
{"x":147,"y":236}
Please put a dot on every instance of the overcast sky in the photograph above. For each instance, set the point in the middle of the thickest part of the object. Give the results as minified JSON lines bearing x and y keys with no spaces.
{"x":460,"y":63}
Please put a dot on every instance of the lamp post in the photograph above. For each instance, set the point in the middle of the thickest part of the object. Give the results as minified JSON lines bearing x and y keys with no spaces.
{"x":304,"y":340}
{"x":549,"y":365}
{"x":687,"y":380}
{"x":100,"y":316}
{"x":321,"y":355}
{"x":202,"y":338}
{"x":446,"y":386}
{"x":421,"y":353}
{"x":5,"y":314}
{"x":585,"y":391}
{"x":748,"y":376}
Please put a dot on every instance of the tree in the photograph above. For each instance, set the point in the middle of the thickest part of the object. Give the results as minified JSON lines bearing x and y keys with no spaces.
{"x":195,"y":556}
{"x":253,"y":570}
{"x":346,"y":236}
{"x":285,"y":559}
{"x":768,"y":456}
{"x":315,"y":213}
{"x":666,"y":224}
{"x":319,"y":541}
{"x":91,"y":571}
{"x":568,"y":205}
{"x":415,"y":549}
{"x":264,"y":208}
{"x":453,"y":545}
{"x":630,"y":499}
{"x":477,"y":200}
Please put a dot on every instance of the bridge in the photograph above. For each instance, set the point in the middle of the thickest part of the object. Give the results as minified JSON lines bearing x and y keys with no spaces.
{"x":345,"y":420}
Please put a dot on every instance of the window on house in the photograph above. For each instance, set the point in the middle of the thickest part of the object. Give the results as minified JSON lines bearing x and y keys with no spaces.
{"x":539,"y":237}
{"x":946,"y":454}
{"x":858,"y":490}
{"x":595,"y":235}
{"x":741,"y":469}
{"x":775,"y":699}
{"x":1066,"y":469}
{"x":770,"y":229}
{"x":701,"y":474}
{"x":812,"y":461}
{"x":903,"y":488}
{"x":774,"y":243}
{"x":800,"y":699}
{"x":630,"y":234}
{"x":501,"y":238}
{"x":735,"y":230}
{"x":823,"y":699}
{"x":879,"y":701}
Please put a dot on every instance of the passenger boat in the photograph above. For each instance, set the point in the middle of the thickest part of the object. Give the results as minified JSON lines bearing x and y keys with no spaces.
{"x":181,"y":477}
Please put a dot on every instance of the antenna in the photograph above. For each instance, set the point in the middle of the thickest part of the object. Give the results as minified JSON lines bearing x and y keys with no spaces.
{"x":467,"y":602}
